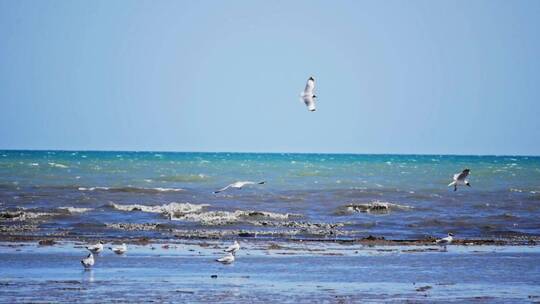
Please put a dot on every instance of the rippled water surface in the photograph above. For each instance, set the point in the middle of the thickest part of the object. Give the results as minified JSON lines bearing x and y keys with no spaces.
{"x":118,"y":194}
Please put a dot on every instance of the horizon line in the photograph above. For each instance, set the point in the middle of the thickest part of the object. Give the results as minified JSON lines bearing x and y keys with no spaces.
{"x":252,"y":152}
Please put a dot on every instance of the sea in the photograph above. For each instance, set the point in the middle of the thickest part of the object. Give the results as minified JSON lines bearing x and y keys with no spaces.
{"x":163,"y":195}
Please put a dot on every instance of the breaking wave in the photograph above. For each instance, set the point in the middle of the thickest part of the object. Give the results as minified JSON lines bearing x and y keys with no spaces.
{"x":72,"y":210}
{"x":376,"y":207}
{"x":219,"y":218}
{"x":23,"y":215}
{"x":170,"y":210}
{"x":131,"y":189}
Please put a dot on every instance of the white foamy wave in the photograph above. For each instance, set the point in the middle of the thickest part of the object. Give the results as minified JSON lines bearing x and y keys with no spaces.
{"x":131,"y":189}
{"x":75,"y":209}
{"x":171,"y":209}
{"x":376,"y":207}
{"x":22,"y":215}
{"x":57,"y":165}
{"x":92,"y":188}
{"x":217,"y":218}
{"x":166,"y":189}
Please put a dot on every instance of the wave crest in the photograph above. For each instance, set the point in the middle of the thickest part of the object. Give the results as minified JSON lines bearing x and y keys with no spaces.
{"x":171,"y":209}
{"x":375,"y":207}
{"x":219,"y":218}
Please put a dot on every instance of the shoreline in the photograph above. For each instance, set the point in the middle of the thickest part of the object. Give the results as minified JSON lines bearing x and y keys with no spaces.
{"x":270,"y":271}
{"x":366,"y":241}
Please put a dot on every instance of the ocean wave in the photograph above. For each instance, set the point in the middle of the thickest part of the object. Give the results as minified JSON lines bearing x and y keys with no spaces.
{"x":219,"y":218}
{"x":72,"y":210}
{"x":57,"y":165}
{"x":170,"y":210}
{"x":375,"y":207}
{"x":23,"y":215}
{"x":188,"y":178}
{"x":131,"y":189}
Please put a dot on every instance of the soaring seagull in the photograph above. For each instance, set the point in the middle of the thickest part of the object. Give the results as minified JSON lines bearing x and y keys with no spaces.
{"x":308,"y":95}
{"x":460,"y":179}
{"x":239,"y":185}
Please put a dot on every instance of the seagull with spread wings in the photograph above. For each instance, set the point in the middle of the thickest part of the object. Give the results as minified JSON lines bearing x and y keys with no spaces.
{"x":460,"y":179}
{"x":239,"y":185}
{"x":308,"y":95}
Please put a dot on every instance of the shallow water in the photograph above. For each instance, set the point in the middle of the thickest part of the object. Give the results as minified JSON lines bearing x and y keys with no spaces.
{"x":277,"y":272}
{"x":302,"y":195}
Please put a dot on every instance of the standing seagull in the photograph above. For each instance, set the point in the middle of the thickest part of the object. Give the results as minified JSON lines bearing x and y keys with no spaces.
{"x":239,"y":185}
{"x":233,"y":248}
{"x":308,"y":95}
{"x":228,"y":259}
{"x":97,"y":248}
{"x":119,"y":249}
{"x":460,"y":179}
{"x":88,"y":261}
{"x":446,"y":240}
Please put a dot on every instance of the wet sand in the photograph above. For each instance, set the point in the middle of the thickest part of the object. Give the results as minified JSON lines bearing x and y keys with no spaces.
{"x":271,"y":271}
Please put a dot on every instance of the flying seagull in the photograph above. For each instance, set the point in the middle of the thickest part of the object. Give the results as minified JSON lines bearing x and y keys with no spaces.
{"x":460,"y":179}
{"x":88,"y":261}
{"x":233,"y":248}
{"x":97,"y":248}
{"x":228,"y":259}
{"x":119,"y":249}
{"x":308,"y":95}
{"x":239,"y":185}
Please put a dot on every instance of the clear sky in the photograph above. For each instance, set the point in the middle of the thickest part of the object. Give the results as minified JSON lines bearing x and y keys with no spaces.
{"x":444,"y":77}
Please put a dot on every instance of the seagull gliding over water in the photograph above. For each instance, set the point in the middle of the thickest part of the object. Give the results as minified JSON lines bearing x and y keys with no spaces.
{"x":460,"y":179}
{"x":239,"y":185}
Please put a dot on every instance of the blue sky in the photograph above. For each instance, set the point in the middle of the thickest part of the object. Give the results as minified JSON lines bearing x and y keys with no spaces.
{"x":443,"y":77}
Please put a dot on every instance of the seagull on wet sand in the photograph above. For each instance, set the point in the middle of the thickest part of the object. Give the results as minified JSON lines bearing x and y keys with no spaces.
{"x":445,"y":240}
{"x":460,"y":179}
{"x":308,"y":95}
{"x":119,"y":249}
{"x":228,"y":259}
{"x":233,"y":248}
{"x":88,"y":261}
{"x":239,"y":185}
{"x":97,"y":248}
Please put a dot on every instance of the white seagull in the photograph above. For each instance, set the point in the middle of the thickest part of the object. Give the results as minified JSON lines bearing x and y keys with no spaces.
{"x":460,"y":179}
{"x":308,"y":95}
{"x":88,"y":261}
{"x":233,"y":248}
{"x":97,"y":248}
{"x":446,"y":240}
{"x":228,"y":259}
{"x":119,"y":249}
{"x":239,"y":185}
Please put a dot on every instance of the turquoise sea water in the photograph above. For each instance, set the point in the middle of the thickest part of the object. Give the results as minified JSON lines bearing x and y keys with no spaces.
{"x":305,"y":195}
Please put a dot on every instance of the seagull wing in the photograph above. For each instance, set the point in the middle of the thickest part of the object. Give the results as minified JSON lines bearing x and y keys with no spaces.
{"x":310,"y":86}
{"x":223,"y":189}
{"x":462,"y":175}
{"x":309,"y":100}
